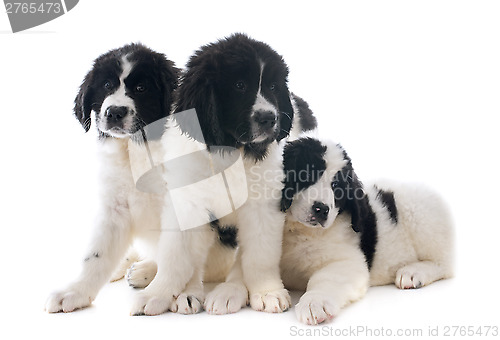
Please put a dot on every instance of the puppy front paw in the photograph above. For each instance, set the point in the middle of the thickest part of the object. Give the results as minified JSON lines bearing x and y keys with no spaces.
{"x":187,"y":303}
{"x":140,"y":274}
{"x":226,"y":298}
{"x":314,"y":308}
{"x":67,"y":301}
{"x":151,"y":304}
{"x":275,"y":301}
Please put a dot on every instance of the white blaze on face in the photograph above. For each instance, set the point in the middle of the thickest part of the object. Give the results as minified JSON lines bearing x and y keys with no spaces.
{"x":262,"y":104}
{"x":119,"y":98}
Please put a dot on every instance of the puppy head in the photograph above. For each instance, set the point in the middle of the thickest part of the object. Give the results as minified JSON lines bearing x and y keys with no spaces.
{"x":238,"y":87}
{"x":127,"y":89}
{"x":320,"y":184}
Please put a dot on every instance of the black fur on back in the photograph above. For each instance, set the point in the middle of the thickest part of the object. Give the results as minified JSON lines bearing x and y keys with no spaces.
{"x":388,"y":201}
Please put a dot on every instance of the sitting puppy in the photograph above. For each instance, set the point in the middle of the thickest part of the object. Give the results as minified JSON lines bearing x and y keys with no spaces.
{"x":340,"y":237}
{"x":243,"y":109}
{"x":127,"y":89}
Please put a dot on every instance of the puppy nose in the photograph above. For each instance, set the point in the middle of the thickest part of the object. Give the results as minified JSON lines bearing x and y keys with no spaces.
{"x":265,"y":119}
{"x":320,"y":211}
{"x":116,"y":112}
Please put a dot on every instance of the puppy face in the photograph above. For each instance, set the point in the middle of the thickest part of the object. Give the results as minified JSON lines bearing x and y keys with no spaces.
{"x":320,"y":184}
{"x":249,"y":97}
{"x":127,"y":89}
{"x":238,"y":87}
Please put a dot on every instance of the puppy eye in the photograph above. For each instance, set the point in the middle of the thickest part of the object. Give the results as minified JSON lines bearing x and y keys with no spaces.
{"x":140,"y":88}
{"x":335,"y":184}
{"x":240,"y":86}
{"x":272,"y":87}
{"x":108,"y":85}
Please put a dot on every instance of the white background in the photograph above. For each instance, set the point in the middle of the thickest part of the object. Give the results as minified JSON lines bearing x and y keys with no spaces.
{"x":411,"y":90}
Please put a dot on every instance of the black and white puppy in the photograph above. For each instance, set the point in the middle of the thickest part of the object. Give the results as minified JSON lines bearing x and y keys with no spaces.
{"x":341,"y":237}
{"x":127,"y":89}
{"x":238,"y":87}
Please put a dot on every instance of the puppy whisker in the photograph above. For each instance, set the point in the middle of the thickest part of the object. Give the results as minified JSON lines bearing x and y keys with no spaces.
{"x":286,"y":114}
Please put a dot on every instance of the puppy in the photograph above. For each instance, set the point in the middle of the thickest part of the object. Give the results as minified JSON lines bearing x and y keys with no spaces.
{"x":127,"y":89}
{"x":238,"y":88}
{"x":341,"y":237}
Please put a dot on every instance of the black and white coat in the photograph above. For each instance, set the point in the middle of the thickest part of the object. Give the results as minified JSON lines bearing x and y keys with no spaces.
{"x":126,"y":89}
{"x":238,"y":87}
{"x":341,"y":237}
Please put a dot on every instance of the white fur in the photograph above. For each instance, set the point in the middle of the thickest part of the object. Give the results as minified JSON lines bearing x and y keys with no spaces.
{"x":124,"y":213}
{"x":329,"y":263}
{"x":119,"y":98}
{"x":260,"y":233}
{"x":418,"y":250}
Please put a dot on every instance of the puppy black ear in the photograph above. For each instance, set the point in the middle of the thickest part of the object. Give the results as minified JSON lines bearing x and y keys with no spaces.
{"x":197,"y":91}
{"x":286,"y":113}
{"x":291,"y":155}
{"x":362,"y":215}
{"x":303,"y":165}
{"x":287,"y":194}
{"x":307,"y":120}
{"x":83,"y":103}
{"x":169,"y":77}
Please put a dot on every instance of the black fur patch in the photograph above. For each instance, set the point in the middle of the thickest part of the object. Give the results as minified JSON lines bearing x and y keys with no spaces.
{"x":227,"y":234}
{"x":350,"y":197}
{"x":303,"y":164}
{"x":387,"y":199}
{"x":307,"y":120}
{"x":94,"y":255}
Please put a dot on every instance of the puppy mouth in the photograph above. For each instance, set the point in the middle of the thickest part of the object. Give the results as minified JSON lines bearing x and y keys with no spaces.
{"x":313,"y":222}
{"x":116,"y":131}
{"x":261,"y":138}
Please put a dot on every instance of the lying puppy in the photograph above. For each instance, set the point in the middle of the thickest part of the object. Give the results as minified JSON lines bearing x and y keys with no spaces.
{"x":238,"y":87}
{"x":340,"y":237}
{"x":127,"y":89}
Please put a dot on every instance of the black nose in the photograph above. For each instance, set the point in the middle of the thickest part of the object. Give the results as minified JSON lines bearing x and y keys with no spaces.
{"x":265,"y":119}
{"x":320,"y":212}
{"x":115,"y":112}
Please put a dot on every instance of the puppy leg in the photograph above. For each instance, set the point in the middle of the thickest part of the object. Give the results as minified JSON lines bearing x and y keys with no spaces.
{"x":125,"y":264}
{"x":190,"y":301}
{"x":331,"y":288}
{"x":229,"y":296}
{"x":419,"y":274}
{"x":181,"y":255}
{"x":111,"y":240}
{"x":140,"y":274}
{"x":261,"y":234}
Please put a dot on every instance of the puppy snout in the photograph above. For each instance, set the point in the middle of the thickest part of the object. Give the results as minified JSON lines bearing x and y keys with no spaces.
{"x":320,"y":212}
{"x":266,"y":120}
{"x":115,"y":113}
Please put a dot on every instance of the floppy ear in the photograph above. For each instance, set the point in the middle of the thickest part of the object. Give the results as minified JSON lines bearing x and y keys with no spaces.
{"x":169,"y":77}
{"x":286,"y":113}
{"x":197,"y":91}
{"x":303,"y":165}
{"x":83,"y":102}
{"x":291,"y":154}
{"x":362,"y":215}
